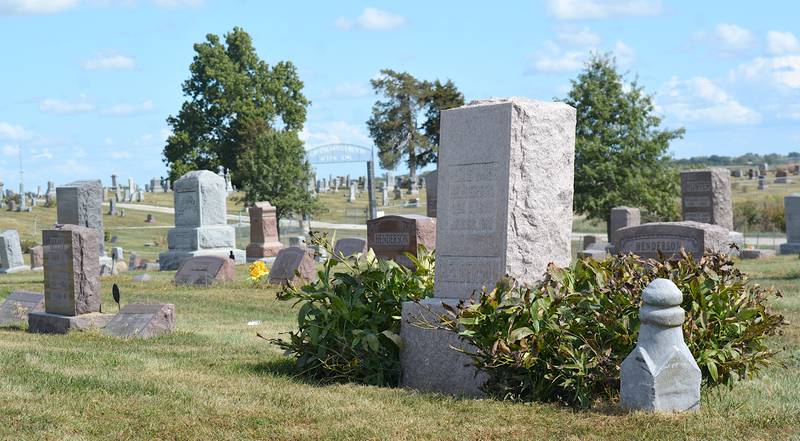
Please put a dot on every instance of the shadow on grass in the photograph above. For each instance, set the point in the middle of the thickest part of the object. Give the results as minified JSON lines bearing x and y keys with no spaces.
{"x":279,"y":367}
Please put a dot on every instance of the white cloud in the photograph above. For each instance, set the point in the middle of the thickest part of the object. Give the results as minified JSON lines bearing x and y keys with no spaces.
{"x":11,"y":150}
{"x":625,"y":55}
{"x":125,"y":109}
{"x":595,"y":9}
{"x":109,"y":61}
{"x":552,"y":59}
{"x":348,"y":90}
{"x":578,"y":37}
{"x":51,"y":105}
{"x":334,"y":132}
{"x":14,"y":132}
{"x":35,"y":7}
{"x":177,"y":3}
{"x":120,"y":154}
{"x":779,"y":43}
{"x":699,"y":99}
{"x":373,"y":19}
{"x":733,"y":38}
{"x":781,"y":71}
{"x":46,"y":154}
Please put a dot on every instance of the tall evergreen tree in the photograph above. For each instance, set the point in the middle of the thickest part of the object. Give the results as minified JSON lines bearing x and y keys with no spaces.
{"x":621,"y":153}
{"x":395,"y":122}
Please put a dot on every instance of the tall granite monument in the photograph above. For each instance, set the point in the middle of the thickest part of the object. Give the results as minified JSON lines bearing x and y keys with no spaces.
{"x":706,"y":197}
{"x":264,"y":240}
{"x":201,"y":226}
{"x":506,"y":181}
{"x":791,"y":206}
{"x":81,"y":203}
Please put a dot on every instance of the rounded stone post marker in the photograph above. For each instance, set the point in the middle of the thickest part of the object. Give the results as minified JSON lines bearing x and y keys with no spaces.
{"x":660,"y":374}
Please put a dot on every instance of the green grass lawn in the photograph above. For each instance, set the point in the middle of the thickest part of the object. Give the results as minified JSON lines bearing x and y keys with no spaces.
{"x":214,"y":379}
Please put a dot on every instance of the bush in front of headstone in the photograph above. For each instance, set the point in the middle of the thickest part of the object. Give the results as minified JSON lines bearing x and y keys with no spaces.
{"x":349,"y":319}
{"x":565,"y":339}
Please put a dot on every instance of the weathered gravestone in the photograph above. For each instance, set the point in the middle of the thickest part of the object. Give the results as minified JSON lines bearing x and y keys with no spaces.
{"x":506,"y":181}
{"x":791,"y":204}
{"x":390,"y":237}
{"x":670,"y":237}
{"x":622,"y":217}
{"x":781,"y":176}
{"x":37,"y":258}
{"x":71,"y":281}
{"x":264,"y":241}
{"x":201,"y":226}
{"x":11,"y":260}
{"x":81,"y":203}
{"x":431,"y":180}
{"x":661,"y":373}
{"x":205,"y":270}
{"x":16,"y":307}
{"x":134,"y":261}
{"x":706,"y":197}
{"x":142,"y":321}
{"x":293,"y":265}
{"x":755,"y":253}
{"x":349,"y":246}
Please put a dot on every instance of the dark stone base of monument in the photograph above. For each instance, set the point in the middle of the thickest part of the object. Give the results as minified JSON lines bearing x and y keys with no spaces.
{"x":756,"y":254}
{"x":142,"y":321}
{"x":259,"y":251}
{"x":427,"y":361}
{"x":790,"y":248}
{"x":172,"y":259}
{"x":15,"y":309}
{"x":46,"y":323}
{"x":15,"y":269}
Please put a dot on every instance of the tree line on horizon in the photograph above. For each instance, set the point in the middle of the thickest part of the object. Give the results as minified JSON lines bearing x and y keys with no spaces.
{"x":245,"y":116}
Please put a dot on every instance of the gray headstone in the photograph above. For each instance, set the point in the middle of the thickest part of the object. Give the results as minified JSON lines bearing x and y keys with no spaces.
{"x":142,"y":321}
{"x":205,"y":270}
{"x":431,"y":180}
{"x":11,"y":260}
{"x":706,"y":197}
{"x":71,"y":270}
{"x":201,"y":226}
{"x":661,"y":373}
{"x":622,"y":217}
{"x":791,"y":207}
{"x":670,"y":237}
{"x":14,"y":310}
{"x":505,"y":174}
{"x":294,"y":265}
{"x":141,"y":278}
{"x":81,"y":203}
{"x":349,"y":246}
{"x":391,"y":237}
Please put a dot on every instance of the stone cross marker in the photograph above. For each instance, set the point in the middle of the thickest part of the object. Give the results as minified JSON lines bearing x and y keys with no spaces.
{"x":660,"y":374}
{"x":505,"y":177}
{"x":390,"y":237}
{"x":264,"y":241}
{"x":142,"y":321}
{"x":11,"y":260}
{"x":706,"y":196}
{"x":349,"y":246}
{"x":791,"y":206}
{"x":205,"y":270}
{"x":201,"y":225}
{"x":431,"y":180}
{"x":293,"y":265}
{"x":669,"y":238}
{"x":81,"y":203}
{"x":15,"y":309}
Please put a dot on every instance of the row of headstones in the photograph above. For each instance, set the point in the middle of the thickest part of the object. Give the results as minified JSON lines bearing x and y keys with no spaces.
{"x":71,"y":299}
{"x":708,"y":223}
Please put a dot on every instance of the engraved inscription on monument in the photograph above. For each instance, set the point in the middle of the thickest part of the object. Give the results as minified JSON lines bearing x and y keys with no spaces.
{"x":58,"y":283}
{"x":389,"y":240}
{"x":472,"y":198}
{"x":187,"y":209}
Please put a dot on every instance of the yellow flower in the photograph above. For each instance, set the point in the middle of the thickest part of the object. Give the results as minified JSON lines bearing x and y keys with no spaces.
{"x":258,"y":269}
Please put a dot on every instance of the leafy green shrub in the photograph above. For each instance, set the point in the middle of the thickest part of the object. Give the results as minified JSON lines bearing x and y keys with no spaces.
{"x":565,"y":339}
{"x":349,"y":320}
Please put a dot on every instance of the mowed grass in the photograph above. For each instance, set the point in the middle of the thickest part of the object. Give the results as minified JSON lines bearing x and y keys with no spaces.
{"x":215,"y":379}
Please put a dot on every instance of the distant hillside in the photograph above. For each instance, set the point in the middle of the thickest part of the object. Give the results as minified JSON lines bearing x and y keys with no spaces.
{"x":746,"y":159}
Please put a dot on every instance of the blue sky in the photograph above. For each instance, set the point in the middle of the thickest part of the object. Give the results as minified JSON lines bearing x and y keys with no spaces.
{"x":88,"y":84}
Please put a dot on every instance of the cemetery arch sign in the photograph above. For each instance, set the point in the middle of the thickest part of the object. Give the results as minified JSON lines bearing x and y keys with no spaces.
{"x":339,"y":153}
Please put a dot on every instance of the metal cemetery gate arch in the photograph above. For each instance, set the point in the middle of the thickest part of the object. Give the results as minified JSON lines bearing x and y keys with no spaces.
{"x":343,"y":153}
